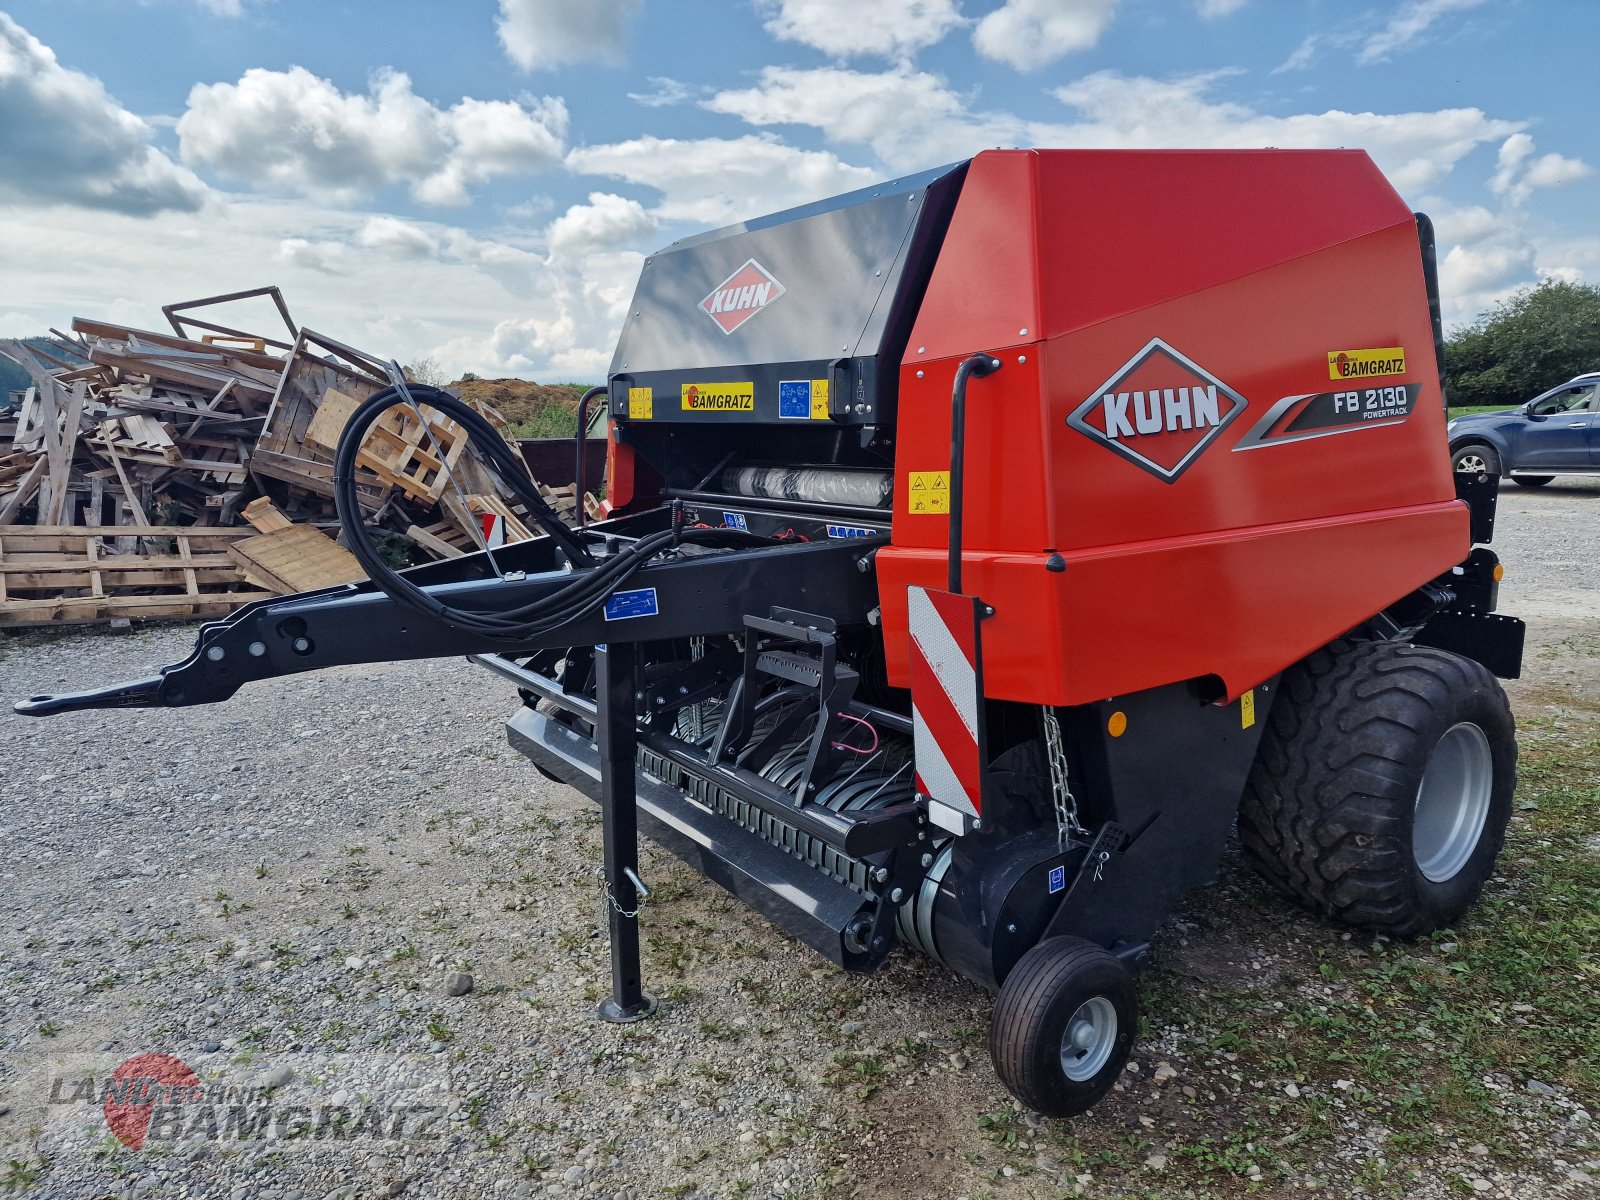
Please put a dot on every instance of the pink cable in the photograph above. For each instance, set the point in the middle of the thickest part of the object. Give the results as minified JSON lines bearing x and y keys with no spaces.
{"x":854,"y":749}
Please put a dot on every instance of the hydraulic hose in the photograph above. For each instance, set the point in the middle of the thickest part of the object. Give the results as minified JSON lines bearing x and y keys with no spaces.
{"x":592,"y":584}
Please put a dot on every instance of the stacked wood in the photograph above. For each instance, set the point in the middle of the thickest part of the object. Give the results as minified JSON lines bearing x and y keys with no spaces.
{"x":53,"y":574}
{"x":204,"y":429}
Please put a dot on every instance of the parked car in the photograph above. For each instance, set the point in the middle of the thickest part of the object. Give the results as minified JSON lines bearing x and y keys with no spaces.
{"x":1557,"y":433}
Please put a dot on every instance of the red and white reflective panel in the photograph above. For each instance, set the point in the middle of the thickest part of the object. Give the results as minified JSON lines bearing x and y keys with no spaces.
{"x":494,"y":530}
{"x":945,"y":704}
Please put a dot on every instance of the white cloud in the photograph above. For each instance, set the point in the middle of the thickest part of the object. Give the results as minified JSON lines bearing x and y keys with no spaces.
{"x":1303,"y":55}
{"x":894,"y":29}
{"x":64,"y":140}
{"x":1210,"y":9}
{"x":19,"y":325}
{"x":665,"y":93}
{"x":495,"y":137}
{"x":1027,"y":34}
{"x":715,"y":181}
{"x":331,"y":257}
{"x":340,"y":274}
{"x":225,"y":8}
{"x":913,"y":119}
{"x":1518,"y":173}
{"x":606,"y":222}
{"x":1415,"y":149}
{"x":1555,"y":170}
{"x":550,"y":33}
{"x":1409,"y":22}
{"x":402,"y":238}
{"x":291,"y":131}
{"x":1474,"y":276}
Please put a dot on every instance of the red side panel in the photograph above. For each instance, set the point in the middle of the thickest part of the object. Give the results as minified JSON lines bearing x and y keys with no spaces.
{"x":1182,"y":309}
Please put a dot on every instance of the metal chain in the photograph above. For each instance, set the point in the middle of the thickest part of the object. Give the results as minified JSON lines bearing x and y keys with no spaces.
{"x":1066,"y":803}
{"x":611,"y":899}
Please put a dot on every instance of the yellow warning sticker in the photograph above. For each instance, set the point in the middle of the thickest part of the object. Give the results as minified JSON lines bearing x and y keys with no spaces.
{"x":641,"y":404}
{"x":930,"y":492}
{"x":719,"y":397}
{"x":1247,"y":709}
{"x":819,"y":399}
{"x":1364,"y":364}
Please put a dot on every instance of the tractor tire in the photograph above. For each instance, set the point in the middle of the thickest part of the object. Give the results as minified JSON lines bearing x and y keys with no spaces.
{"x":1064,"y":1025}
{"x":1475,"y":458}
{"x":1532,"y":480}
{"x":1382,"y":788}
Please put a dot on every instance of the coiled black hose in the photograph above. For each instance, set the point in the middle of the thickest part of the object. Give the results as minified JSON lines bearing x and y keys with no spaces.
{"x":591,"y":585}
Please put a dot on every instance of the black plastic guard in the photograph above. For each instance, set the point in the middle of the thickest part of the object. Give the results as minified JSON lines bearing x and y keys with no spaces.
{"x":1493,"y":639}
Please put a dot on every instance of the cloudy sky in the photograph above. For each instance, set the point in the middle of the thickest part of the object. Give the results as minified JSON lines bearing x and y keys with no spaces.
{"x":479,"y":182}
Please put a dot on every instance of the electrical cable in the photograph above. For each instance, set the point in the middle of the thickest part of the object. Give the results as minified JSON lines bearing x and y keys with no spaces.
{"x":592,"y":584}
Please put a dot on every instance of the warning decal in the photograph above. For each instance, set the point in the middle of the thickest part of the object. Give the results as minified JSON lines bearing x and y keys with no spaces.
{"x":719,"y":397}
{"x":641,"y":404}
{"x":819,"y":399}
{"x":1364,"y":364}
{"x":930,"y":492}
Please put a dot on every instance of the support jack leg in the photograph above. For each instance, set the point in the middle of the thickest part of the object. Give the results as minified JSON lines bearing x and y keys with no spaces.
{"x":614,"y":670}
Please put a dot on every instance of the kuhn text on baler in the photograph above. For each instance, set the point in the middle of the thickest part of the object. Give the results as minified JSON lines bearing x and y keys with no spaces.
{"x":985,"y":544}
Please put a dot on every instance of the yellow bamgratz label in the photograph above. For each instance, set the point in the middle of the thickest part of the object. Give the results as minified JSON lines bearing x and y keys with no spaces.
{"x":819,"y":399}
{"x":1364,"y":364}
{"x":930,"y":492}
{"x":719,"y":397}
{"x":641,"y":404}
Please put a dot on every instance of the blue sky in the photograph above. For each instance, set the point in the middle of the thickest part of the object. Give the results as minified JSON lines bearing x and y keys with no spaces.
{"x":478,"y":182}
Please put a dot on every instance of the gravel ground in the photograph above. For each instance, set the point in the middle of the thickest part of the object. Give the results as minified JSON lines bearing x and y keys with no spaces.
{"x":284,"y":891}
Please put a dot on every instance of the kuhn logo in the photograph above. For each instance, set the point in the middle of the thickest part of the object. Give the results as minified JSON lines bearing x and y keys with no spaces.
{"x":1158,"y":410}
{"x":741,"y":296}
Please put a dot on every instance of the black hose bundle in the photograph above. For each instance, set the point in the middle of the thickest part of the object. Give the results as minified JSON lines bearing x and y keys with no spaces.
{"x":592,"y":584}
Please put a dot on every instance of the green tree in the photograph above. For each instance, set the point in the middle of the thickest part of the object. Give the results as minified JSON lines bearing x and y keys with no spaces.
{"x":1539,"y":337}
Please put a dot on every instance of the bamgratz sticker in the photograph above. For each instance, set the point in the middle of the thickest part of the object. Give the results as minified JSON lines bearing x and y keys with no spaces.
{"x":1364,"y":364}
{"x":719,"y":397}
{"x":1159,"y":410}
{"x":741,"y":296}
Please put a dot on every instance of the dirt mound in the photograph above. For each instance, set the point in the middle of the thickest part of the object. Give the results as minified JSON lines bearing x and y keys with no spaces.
{"x":522,"y":401}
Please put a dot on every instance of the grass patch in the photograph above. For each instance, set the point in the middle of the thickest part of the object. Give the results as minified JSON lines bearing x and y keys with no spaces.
{"x":1468,"y":410}
{"x":1371,"y":1064}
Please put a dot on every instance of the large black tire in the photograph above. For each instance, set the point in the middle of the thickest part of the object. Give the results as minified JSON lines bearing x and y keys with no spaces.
{"x":1335,"y":811}
{"x":1475,"y":457}
{"x":1532,"y":480}
{"x":1062,"y":987}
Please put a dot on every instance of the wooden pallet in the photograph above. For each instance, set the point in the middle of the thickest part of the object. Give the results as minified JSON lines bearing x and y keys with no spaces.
{"x":299,"y":558}
{"x":66,"y":574}
{"x":414,"y":456}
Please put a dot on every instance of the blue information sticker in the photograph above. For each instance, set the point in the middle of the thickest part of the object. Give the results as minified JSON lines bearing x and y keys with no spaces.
{"x":794,"y":399}
{"x":850,"y":531}
{"x":640,"y":602}
{"x":735,"y":521}
{"x":1058,"y":880}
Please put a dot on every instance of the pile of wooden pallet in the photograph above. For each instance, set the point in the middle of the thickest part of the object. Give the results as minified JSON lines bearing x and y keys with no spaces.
{"x":154,"y":474}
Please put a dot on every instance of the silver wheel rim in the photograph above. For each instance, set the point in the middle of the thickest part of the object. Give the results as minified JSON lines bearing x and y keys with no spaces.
{"x":1452,"y":802}
{"x":1471,"y":464}
{"x":1088,"y":1039}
